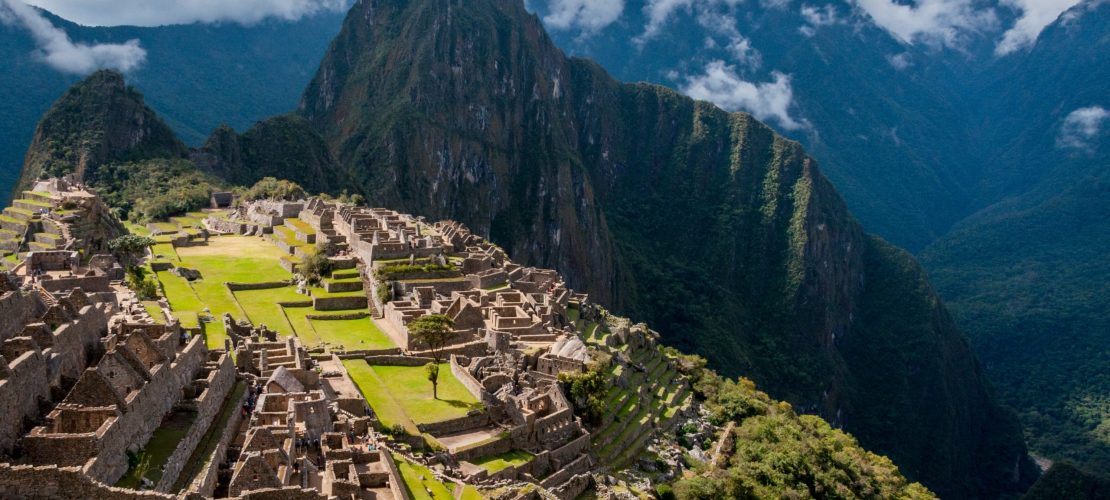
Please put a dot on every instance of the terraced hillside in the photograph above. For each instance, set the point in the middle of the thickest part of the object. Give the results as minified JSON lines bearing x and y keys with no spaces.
{"x":646,"y":395}
{"x":34,"y":222}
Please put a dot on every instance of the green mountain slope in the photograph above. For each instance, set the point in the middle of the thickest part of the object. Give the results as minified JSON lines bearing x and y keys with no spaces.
{"x":705,"y":223}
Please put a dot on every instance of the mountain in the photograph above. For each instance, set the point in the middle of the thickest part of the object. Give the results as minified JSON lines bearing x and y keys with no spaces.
{"x":197,"y":76}
{"x":705,"y":223}
{"x":951,"y":151}
{"x":1028,"y":275}
{"x":98,"y":121}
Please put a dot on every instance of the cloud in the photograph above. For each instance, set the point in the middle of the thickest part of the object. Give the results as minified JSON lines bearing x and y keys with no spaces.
{"x":1035,"y":15}
{"x":936,"y":22}
{"x":1081,"y":127}
{"x":158,"y":12}
{"x":721,"y":85}
{"x":589,"y":16}
{"x":900,"y":61}
{"x":57,"y":50}
{"x":659,"y":12}
{"x":737,"y":45}
{"x":817,"y":17}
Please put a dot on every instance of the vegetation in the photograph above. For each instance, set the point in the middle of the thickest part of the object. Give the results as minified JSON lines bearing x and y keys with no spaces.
{"x":154,"y":190}
{"x":779,"y":454}
{"x":269,"y":188}
{"x":398,"y":271}
{"x":502,"y":461}
{"x":588,"y":391}
{"x":130,"y":249}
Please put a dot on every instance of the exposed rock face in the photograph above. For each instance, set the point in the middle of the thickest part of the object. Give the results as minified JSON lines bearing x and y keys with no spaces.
{"x":669,"y":210}
{"x":99,"y":120}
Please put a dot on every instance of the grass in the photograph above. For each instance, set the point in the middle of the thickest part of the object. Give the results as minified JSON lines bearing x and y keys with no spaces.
{"x":420,"y":482}
{"x":498,"y":463}
{"x":262,"y":307}
{"x":353,"y":334}
{"x":407,"y":398}
{"x":155,"y":311}
{"x":157,"y":451}
{"x":300,"y":225}
{"x":164,"y":250}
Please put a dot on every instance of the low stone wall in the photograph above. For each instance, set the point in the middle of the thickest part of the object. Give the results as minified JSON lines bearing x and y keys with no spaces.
{"x":472,"y":384}
{"x":336,"y":317}
{"x":456,"y":425}
{"x":368,"y":353}
{"x":88,"y":284}
{"x":340,"y":303}
{"x":581,"y":464}
{"x":236,"y":287}
{"x":208,"y":407}
{"x":398,"y":360}
{"x":494,"y":447}
{"x":342,"y":286}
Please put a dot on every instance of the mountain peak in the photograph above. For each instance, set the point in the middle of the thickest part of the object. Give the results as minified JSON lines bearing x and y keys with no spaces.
{"x":98,"y":120}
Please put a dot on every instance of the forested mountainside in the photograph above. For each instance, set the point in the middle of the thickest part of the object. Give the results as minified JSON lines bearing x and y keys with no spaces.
{"x":197,"y":76}
{"x":993,"y":160}
{"x":783,"y":453}
{"x":704,"y":223}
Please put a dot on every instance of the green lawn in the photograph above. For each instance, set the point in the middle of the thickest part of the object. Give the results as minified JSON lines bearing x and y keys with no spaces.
{"x":420,"y":482}
{"x":353,"y":334}
{"x":262,"y":307}
{"x":300,"y":225}
{"x":498,"y":463}
{"x":164,"y":250}
{"x":407,"y":398}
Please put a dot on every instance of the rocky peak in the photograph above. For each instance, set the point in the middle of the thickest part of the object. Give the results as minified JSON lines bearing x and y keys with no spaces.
{"x":98,"y":120}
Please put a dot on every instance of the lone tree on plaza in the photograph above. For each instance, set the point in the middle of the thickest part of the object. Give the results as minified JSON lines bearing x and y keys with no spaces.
{"x":434,"y":331}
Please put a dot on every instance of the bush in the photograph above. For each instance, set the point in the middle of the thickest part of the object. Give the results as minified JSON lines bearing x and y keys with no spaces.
{"x":270,"y":188}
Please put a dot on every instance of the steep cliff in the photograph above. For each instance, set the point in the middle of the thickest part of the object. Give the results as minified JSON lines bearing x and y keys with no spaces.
{"x":98,"y":120}
{"x":705,"y":223}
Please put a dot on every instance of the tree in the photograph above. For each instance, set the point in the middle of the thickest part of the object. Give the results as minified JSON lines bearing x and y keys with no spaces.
{"x":130,"y":248}
{"x":274,"y":189}
{"x":434,"y":331}
{"x":432,"y":370}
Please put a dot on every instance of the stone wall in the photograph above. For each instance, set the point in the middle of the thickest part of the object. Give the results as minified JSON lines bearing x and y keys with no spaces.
{"x":472,"y":384}
{"x":17,"y":309}
{"x":339,"y":303}
{"x":88,"y":284}
{"x":204,"y":484}
{"x":24,"y":482}
{"x":457,"y":425}
{"x":21,"y":388}
{"x":236,"y":287}
{"x":396,"y":484}
{"x":219,"y":382}
{"x":398,"y":360}
{"x":494,"y":447}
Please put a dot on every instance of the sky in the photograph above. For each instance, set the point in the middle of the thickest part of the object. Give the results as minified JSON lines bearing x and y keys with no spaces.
{"x":161,"y":12}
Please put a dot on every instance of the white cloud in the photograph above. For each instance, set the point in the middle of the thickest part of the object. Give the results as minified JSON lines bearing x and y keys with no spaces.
{"x":659,"y":13}
{"x":721,"y":85}
{"x":56,"y":49}
{"x":1081,"y":127}
{"x":1035,"y":15}
{"x":938,"y":22}
{"x":900,"y":61}
{"x":817,"y":17}
{"x":588,"y":15}
{"x":737,"y":45}
{"x":161,"y":12}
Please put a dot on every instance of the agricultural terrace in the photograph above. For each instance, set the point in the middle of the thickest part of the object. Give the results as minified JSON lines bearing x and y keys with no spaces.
{"x":407,"y":399}
{"x":245,"y":259}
